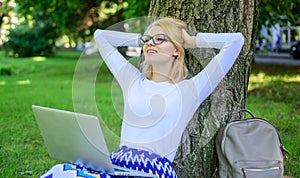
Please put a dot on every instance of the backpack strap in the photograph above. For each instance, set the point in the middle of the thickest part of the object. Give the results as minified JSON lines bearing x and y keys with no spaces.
{"x":243,"y":110}
{"x":248,"y":111}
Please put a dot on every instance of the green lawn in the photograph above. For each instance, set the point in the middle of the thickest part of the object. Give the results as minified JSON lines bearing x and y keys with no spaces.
{"x":273,"y":94}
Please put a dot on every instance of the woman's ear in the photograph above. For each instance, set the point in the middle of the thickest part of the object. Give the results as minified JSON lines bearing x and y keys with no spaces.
{"x":176,"y":53}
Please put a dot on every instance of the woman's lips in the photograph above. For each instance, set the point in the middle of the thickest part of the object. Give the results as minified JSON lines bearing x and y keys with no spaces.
{"x":151,"y":51}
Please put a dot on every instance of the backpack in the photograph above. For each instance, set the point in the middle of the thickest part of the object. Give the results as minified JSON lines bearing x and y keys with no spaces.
{"x":250,"y":148}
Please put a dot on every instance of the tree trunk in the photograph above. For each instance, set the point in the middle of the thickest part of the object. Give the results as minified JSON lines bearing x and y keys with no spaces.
{"x":196,"y":156}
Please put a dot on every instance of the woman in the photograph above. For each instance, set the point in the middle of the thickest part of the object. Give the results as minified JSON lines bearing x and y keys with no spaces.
{"x":160,"y":101}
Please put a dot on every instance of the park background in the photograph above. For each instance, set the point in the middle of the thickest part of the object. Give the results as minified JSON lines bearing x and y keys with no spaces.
{"x":41,"y":43}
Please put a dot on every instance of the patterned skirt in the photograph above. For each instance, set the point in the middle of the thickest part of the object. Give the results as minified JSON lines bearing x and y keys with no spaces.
{"x":125,"y":157}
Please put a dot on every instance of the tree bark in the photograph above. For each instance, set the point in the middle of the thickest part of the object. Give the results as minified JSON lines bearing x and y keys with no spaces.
{"x":196,"y":156}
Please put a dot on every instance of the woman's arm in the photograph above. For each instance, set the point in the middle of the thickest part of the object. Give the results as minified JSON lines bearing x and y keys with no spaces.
{"x":107,"y":42}
{"x":230,"y":45}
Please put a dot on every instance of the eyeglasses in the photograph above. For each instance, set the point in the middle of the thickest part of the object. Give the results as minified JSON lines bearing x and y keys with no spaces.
{"x":157,"y":39}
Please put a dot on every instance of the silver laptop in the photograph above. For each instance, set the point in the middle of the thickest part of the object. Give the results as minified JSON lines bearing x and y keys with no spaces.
{"x":77,"y":138}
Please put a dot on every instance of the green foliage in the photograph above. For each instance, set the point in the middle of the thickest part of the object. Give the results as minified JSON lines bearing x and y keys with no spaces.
{"x":136,"y":8}
{"x":5,"y":70}
{"x":77,"y":19}
{"x":13,"y":68}
{"x":5,"y":8}
{"x":31,"y":40}
{"x":280,"y":11}
{"x":61,"y":12}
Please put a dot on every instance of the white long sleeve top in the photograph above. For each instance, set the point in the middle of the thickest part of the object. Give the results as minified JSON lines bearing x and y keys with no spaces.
{"x":156,"y":114}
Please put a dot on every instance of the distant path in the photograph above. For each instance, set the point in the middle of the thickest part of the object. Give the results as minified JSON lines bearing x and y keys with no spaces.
{"x":276,"y":58}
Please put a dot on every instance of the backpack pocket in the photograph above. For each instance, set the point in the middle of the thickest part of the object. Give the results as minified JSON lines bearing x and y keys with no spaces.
{"x":266,"y":169}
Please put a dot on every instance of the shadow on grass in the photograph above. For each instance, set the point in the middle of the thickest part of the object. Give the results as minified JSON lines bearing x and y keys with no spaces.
{"x":274,"y":70}
{"x":277,"y":91}
{"x":275,"y":83}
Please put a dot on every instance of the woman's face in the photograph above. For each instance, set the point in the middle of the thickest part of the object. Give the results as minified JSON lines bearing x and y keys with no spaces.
{"x":159,"y":53}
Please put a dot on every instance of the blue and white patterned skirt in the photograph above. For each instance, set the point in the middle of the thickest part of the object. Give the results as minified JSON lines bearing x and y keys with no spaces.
{"x":125,"y":157}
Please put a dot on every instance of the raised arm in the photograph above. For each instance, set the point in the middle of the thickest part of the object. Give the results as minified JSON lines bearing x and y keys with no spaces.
{"x":107,"y":42}
{"x":230,"y":45}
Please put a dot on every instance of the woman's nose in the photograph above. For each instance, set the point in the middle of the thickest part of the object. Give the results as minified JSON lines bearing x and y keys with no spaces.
{"x":150,"y":43}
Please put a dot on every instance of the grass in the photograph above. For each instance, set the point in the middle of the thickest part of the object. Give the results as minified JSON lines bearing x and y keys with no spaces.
{"x":273,"y":94}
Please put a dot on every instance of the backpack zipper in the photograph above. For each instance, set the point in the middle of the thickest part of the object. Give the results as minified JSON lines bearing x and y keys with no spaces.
{"x":259,"y":170}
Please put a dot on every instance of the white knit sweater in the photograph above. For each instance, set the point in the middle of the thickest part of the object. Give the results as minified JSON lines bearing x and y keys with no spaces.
{"x":156,"y":114}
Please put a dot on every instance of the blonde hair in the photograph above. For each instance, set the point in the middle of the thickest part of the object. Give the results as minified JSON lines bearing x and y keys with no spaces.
{"x":173,"y":28}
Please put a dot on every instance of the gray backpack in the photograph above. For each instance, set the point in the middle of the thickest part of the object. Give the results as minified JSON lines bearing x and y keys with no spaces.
{"x":250,"y":148}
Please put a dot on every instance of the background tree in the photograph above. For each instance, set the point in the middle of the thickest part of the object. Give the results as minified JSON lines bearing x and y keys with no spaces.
{"x":136,"y":8}
{"x":281,"y":12}
{"x":196,"y":156}
{"x":5,"y":8}
{"x":76,"y":19}
{"x":30,"y":40}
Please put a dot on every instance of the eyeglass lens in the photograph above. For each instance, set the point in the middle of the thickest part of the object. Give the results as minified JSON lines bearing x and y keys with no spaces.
{"x":157,"y":39}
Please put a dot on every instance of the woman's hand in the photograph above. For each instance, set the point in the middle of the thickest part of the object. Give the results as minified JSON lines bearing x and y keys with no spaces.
{"x":188,"y":41}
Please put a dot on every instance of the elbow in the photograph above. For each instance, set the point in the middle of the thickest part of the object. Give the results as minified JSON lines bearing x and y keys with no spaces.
{"x":97,"y":34}
{"x":240,"y":38}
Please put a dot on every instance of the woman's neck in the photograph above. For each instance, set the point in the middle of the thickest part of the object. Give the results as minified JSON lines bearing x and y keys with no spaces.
{"x":161,"y":74}
{"x":159,"y":78}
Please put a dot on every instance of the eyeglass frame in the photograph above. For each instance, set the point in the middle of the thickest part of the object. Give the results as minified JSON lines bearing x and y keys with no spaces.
{"x":166,"y":38}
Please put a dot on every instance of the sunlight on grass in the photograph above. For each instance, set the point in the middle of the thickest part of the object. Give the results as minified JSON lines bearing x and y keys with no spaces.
{"x":2,"y":82}
{"x":39,"y":58}
{"x":23,"y":82}
{"x":262,"y":77}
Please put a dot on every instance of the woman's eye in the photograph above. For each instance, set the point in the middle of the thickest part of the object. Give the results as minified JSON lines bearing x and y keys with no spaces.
{"x":159,"y":39}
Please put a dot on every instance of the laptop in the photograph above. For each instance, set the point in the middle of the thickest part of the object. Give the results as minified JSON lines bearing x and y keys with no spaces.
{"x":77,"y":138}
